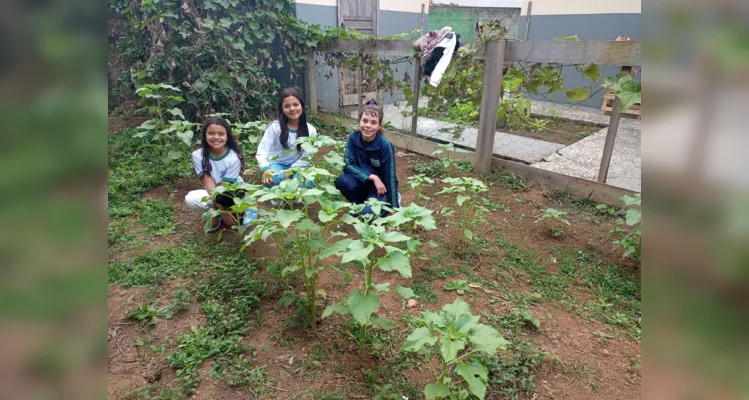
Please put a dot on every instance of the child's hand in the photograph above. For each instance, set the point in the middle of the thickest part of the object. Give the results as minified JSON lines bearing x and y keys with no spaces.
{"x":267,"y":177}
{"x":229,"y":219}
{"x":381,"y":189}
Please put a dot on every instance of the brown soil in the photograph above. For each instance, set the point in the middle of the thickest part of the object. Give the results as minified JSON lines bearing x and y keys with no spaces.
{"x":588,"y":369}
{"x":558,"y":130}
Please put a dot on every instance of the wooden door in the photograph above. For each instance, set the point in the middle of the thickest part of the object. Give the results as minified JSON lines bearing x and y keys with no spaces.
{"x":361,"y":15}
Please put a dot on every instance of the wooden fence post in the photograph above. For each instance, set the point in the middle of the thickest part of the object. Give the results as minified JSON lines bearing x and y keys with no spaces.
{"x":360,"y":85}
{"x":495,"y":55}
{"x":311,"y":81}
{"x":608,"y":147}
{"x":417,"y":84}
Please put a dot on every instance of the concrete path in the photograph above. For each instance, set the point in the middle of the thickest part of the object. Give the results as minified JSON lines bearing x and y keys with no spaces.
{"x":583,"y":158}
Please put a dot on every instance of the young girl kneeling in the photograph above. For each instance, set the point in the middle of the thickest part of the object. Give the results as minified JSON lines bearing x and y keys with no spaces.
{"x":218,"y":160}
{"x":276,"y":152}
{"x":369,"y":170}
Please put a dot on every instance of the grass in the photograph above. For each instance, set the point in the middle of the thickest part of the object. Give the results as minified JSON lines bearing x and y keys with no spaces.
{"x":157,"y":216}
{"x":154,"y":267}
{"x":616,"y":295}
{"x":512,"y":372}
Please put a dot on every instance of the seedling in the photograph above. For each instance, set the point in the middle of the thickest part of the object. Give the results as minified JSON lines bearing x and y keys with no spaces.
{"x":468,"y":190}
{"x":417,"y":182}
{"x":454,"y":330}
{"x":448,"y":163}
{"x":628,"y":228}
{"x":459,"y":285}
{"x":363,"y":304}
{"x":556,"y":218}
{"x":147,"y":314}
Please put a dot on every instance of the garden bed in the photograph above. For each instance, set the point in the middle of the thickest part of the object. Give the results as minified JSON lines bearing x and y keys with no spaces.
{"x":576,"y":288}
{"x":540,"y":127}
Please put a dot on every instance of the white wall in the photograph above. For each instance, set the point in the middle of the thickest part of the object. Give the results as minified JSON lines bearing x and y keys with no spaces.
{"x":413,"y":6}
{"x":577,"y":7}
{"x":480,"y":3}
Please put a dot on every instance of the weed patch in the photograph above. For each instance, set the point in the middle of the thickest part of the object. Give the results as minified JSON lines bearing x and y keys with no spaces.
{"x":154,"y":267}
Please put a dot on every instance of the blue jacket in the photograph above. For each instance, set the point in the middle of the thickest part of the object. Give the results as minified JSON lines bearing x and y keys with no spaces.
{"x":378,"y":159}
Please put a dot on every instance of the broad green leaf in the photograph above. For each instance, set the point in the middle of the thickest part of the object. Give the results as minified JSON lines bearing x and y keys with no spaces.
{"x":185,"y":137}
{"x":436,"y":390}
{"x":337,"y":248}
{"x":324,"y":216}
{"x":392,"y":237}
{"x":591,"y":71}
{"x":630,"y":93}
{"x":177,"y":112}
{"x":361,"y":306}
{"x":357,"y":252}
{"x":449,"y":348}
{"x":457,"y":308}
{"x":174,"y":155}
{"x":382,"y":287}
{"x":287,"y":217}
{"x":201,"y":86}
{"x":307,"y":225}
{"x":578,"y":94}
{"x":418,"y":338}
{"x":435,"y":319}
{"x":487,"y":339}
{"x":383,"y":323}
{"x":335,"y":308}
{"x":476,"y":376}
{"x":428,"y":223}
{"x":466,"y":322}
{"x":462,"y":199}
{"x":405,"y":292}
{"x":468,"y":233}
{"x":633,"y":216}
{"x":395,"y":261}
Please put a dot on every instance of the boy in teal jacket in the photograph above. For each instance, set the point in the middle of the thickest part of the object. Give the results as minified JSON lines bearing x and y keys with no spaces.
{"x":369,"y":170}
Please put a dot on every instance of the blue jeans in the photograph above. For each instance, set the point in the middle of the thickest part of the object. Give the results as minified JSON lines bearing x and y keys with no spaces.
{"x":357,"y":192}
{"x":278,"y":178}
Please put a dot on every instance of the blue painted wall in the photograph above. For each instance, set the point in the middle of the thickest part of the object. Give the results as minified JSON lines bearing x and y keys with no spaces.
{"x":390,"y":23}
{"x":586,"y":27}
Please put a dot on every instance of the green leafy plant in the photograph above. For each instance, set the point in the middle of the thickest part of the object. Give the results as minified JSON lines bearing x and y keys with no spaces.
{"x":626,"y":88}
{"x":628,"y":228}
{"x":416,"y":182}
{"x":413,"y":218}
{"x":453,"y":330}
{"x":361,"y":305}
{"x":459,"y":285}
{"x":555,"y":218}
{"x":448,"y":162}
{"x":467,"y":190}
{"x":147,"y":314}
{"x":168,"y":132}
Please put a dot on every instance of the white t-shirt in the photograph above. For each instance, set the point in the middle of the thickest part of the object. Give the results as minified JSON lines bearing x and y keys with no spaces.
{"x":270,"y":150}
{"x":223,"y":169}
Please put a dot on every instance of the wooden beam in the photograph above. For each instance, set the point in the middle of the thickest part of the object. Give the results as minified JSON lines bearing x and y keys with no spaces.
{"x":602,"y":52}
{"x":489,"y":105}
{"x":608,"y":146}
{"x":583,"y":188}
{"x":378,"y":47}
{"x":311,"y":81}
{"x":528,"y":20}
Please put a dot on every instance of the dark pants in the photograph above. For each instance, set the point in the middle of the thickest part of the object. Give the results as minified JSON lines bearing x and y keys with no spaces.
{"x":226,"y":200}
{"x":357,"y":192}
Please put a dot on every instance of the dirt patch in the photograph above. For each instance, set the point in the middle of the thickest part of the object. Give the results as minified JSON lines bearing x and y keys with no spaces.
{"x":558,"y":130}
{"x":601,"y":369}
{"x":117,"y":123}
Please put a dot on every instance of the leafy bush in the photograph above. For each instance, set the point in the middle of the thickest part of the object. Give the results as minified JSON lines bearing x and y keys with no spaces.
{"x":628,"y":229}
{"x":454,"y":329}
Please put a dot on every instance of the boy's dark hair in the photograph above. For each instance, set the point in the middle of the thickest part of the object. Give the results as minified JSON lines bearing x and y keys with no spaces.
{"x":371,"y":108}
{"x":302,"y":130}
{"x":231,"y":142}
